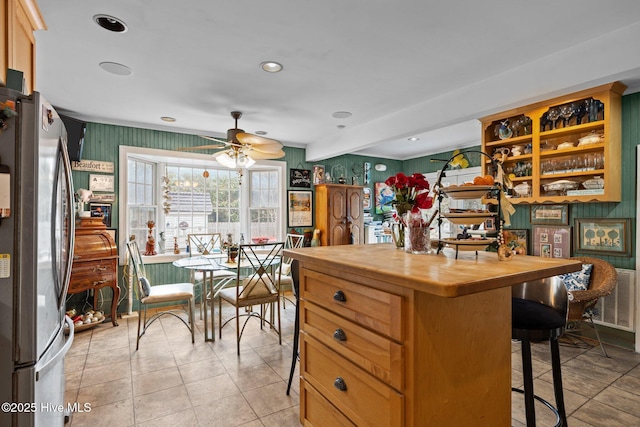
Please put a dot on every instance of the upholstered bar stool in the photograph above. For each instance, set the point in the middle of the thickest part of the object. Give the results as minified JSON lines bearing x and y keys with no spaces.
{"x":539,"y":313}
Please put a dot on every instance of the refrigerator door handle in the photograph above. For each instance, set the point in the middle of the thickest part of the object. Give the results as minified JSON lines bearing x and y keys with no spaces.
{"x":60,"y":355}
{"x":70,"y":214}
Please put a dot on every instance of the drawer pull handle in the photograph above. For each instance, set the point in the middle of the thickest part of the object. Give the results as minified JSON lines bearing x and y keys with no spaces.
{"x":100,"y":268}
{"x":340,"y":296}
{"x":340,"y":384}
{"x":340,"y":335}
{"x":100,"y":282}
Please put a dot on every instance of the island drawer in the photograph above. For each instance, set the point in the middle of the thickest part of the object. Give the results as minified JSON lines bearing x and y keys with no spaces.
{"x":316,"y":411}
{"x":361,"y":397}
{"x":374,"y":309}
{"x":376,"y":354}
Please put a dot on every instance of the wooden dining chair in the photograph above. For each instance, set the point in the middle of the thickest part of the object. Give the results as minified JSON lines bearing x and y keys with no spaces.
{"x":207,"y":244}
{"x":176,"y":293}
{"x":260,"y":288}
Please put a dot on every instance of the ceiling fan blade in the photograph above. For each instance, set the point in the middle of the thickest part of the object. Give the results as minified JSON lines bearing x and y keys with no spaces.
{"x":264,"y":148}
{"x":249,"y":138}
{"x":201,"y":147}
{"x":257,"y":155}
{"x":213,"y":138}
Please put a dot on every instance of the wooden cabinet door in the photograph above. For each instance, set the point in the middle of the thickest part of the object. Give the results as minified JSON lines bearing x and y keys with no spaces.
{"x":355,"y":212}
{"x":338,"y":231}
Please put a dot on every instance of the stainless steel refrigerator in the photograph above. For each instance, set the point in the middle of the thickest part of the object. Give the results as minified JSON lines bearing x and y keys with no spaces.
{"x":36,"y":251}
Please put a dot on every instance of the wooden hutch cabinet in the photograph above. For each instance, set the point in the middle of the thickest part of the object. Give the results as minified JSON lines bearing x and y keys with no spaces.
{"x":339,"y":214}
{"x":564,"y":150}
{"x":18,"y":44}
{"x":95,"y":262}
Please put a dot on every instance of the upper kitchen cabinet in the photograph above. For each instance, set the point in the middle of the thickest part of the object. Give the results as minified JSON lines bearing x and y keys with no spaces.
{"x":18,"y":44}
{"x":564,"y":150}
{"x":339,"y":214}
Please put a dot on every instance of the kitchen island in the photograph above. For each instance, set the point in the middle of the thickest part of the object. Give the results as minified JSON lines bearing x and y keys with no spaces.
{"x":393,"y":339}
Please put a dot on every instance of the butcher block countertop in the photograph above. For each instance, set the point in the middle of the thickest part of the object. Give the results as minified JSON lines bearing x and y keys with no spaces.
{"x":441,"y":275}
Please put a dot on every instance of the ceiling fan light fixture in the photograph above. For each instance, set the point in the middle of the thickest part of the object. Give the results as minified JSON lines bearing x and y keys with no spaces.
{"x":271,"y":66}
{"x":226,"y":160}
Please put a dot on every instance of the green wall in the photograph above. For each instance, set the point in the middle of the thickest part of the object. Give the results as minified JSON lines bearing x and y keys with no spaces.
{"x":102,"y":142}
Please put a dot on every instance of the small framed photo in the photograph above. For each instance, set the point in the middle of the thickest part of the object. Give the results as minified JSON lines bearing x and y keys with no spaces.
{"x":318,"y":174}
{"x":552,"y":241}
{"x":300,"y":178}
{"x":366,"y":200}
{"x":550,"y":214}
{"x":490,"y":224}
{"x":101,"y":210}
{"x":603,"y":236}
{"x":300,"y":207}
{"x":101,"y":183}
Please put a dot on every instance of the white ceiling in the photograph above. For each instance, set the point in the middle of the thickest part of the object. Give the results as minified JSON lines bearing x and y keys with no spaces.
{"x":402,"y":67}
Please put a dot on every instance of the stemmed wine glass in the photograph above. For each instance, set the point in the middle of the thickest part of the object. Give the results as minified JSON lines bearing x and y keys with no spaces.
{"x":553,"y":115}
{"x":524,"y":122}
{"x":566,"y":111}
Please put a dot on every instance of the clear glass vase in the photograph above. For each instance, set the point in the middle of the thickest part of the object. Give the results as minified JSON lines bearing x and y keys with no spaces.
{"x":417,"y":234}
{"x":397,"y":233}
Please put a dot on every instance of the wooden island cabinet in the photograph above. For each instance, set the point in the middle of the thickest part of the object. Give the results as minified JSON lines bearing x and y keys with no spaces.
{"x":95,"y":262}
{"x":396,"y":339}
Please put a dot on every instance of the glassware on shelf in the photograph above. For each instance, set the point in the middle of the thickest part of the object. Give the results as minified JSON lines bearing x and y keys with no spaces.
{"x":566,"y":111}
{"x":553,"y":115}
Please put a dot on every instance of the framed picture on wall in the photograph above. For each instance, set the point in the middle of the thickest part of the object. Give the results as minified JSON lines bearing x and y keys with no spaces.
{"x":366,"y":200}
{"x":550,"y":214}
{"x":603,"y":236}
{"x":300,"y":208}
{"x":101,"y":210}
{"x":552,"y":241}
{"x":300,"y":178}
{"x":384,"y":197}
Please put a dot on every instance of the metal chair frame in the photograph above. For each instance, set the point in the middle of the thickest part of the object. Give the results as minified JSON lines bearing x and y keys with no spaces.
{"x":262,"y":259}
{"x":177,"y":292}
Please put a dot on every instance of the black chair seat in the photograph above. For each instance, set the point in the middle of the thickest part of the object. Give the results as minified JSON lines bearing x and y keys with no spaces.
{"x":533,"y":315}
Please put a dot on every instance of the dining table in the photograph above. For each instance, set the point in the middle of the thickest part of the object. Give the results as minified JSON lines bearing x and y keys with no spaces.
{"x":209,"y":265}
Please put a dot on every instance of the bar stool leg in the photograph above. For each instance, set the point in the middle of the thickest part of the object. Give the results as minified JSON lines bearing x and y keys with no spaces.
{"x":527,"y":373}
{"x":296,"y":337}
{"x":557,"y":379}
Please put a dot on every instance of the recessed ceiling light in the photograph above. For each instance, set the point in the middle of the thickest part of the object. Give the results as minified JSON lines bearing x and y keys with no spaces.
{"x":110,"y":23}
{"x":115,"y":68}
{"x":261,"y":132}
{"x":167,"y":119}
{"x":271,"y":66}
{"x":341,"y":115}
{"x":341,"y":126}
{"x":413,"y":139}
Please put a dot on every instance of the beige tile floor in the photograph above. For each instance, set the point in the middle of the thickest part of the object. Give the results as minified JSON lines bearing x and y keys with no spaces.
{"x":171,"y":382}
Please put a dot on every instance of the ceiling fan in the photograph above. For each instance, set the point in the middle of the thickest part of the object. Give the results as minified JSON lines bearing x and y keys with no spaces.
{"x":241,"y":149}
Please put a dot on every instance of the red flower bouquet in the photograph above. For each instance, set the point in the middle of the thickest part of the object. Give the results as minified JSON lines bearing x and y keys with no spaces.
{"x":411,"y":193}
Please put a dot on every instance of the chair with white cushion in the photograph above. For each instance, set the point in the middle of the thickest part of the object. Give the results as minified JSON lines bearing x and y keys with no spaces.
{"x":176,"y":293}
